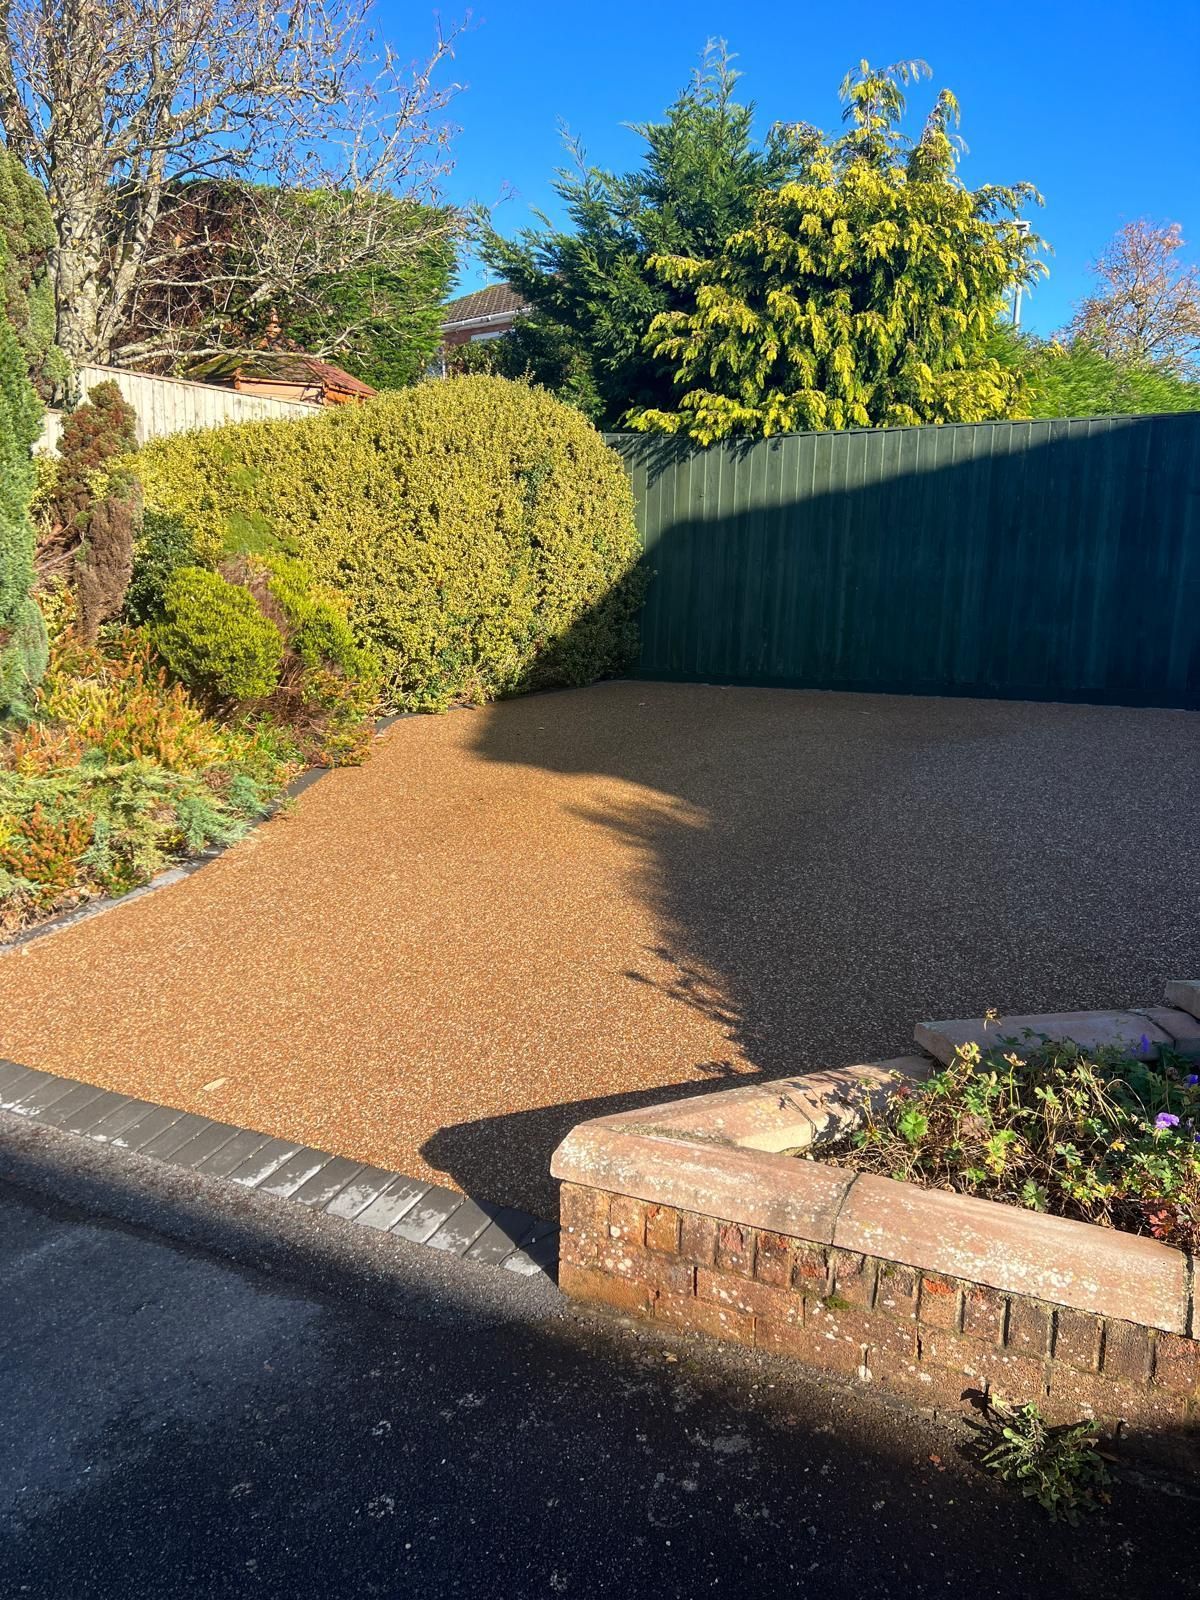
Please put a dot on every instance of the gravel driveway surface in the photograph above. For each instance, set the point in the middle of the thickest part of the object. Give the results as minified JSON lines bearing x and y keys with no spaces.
{"x":555,"y":907}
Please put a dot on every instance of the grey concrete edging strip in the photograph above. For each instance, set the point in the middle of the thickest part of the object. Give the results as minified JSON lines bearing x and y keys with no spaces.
{"x":388,"y":1202}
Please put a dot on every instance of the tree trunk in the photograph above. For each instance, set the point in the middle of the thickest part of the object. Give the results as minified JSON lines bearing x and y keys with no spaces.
{"x":77,"y":287}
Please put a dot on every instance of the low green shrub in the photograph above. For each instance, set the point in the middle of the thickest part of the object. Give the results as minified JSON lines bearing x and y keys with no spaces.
{"x":480,"y":531}
{"x":1101,"y":1136}
{"x":260,"y":635}
{"x":116,"y":773}
{"x":164,"y":544}
{"x":214,"y":637}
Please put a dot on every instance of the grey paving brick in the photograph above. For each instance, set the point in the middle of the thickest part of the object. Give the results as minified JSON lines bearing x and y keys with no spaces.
{"x":294,"y":1172}
{"x":184,"y":1128}
{"x":434,"y":1208}
{"x":396,"y":1201}
{"x":460,"y":1231}
{"x":360,"y":1191}
{"x":69,"y":1105}
{"x":140,"y":1133}
{"x":333,"y":1177}
{"x":11,"y":1072}
{"x":507,"y":1232}
{"x":231,"y":1154}
{"x":202,"y":1145}
{"x":540,"y":1256}
{"x":11,"y":1097}
{"x":541,"y":1230}
{"x":46,"y":1095}
{"x":83,"y":1118}
{"x":110,"y":1128}
{"x":263,"y":1163}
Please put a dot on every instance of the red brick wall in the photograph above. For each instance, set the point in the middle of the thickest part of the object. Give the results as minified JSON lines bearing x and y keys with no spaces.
{"x":929,"y":1338}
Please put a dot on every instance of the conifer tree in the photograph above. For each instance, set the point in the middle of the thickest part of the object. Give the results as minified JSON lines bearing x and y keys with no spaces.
{"x":864,"y":294}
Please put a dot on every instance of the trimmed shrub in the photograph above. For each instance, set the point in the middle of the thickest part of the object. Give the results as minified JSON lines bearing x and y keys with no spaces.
{"x":27,"y":242}
{"x":261,"y":634}
{"x":103,"y":427}
{"x":92,"y":509}
{"x":481,"y":532}
{"x":214,"y":637}
{"x":164,"y":544}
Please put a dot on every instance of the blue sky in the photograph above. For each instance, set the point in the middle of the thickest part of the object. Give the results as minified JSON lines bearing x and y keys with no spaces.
{"x":1093,"y":103}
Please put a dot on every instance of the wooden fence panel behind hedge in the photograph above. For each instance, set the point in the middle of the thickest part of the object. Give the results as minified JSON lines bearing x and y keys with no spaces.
{"x":1054,"y":560}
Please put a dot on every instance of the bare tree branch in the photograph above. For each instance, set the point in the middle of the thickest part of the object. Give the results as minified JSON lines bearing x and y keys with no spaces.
{"x":123,"y":107}
{"x":1146,"y":307}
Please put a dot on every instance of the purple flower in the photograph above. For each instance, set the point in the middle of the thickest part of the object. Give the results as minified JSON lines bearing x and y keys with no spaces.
{"x":1144,"y":1045}
{"x":1166,"y":1119}
{"x":1193,"y":1078}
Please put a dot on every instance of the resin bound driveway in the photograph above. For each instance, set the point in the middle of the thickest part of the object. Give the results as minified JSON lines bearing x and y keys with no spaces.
{"x":514,"y":918}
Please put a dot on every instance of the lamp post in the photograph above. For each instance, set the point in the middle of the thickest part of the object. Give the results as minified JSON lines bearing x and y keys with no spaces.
{"x":1023,"y":227}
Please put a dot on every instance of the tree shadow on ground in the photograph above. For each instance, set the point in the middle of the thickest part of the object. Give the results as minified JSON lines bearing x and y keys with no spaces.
{"x":825,"y":869}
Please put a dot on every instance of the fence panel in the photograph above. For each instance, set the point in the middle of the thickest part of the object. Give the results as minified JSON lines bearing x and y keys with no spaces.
{"x":175,"y":405}
{"x":1056,"y":559}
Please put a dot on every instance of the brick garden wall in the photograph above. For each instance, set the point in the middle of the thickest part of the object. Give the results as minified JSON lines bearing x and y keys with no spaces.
{"x":928,"y":1337}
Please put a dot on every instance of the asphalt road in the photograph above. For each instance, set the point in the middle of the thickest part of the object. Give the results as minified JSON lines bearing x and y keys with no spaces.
{"x":176,"y":1422}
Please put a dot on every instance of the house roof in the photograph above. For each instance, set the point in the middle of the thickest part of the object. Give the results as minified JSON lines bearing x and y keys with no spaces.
{"x":280,"y":366}
{"x":497,"y":300}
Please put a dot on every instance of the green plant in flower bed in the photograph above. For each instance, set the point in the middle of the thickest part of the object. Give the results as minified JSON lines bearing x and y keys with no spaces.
{"x":118,"y":772}
{"x":1102,"y":1136}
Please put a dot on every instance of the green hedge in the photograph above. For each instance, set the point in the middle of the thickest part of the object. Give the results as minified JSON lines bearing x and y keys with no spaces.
{"x":480,"y":531}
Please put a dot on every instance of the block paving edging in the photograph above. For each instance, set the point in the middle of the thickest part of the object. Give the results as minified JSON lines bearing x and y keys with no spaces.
{"x":389,"y":1202}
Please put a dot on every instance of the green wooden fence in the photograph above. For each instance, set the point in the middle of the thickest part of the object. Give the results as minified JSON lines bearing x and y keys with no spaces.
{"x":1027,"y":559}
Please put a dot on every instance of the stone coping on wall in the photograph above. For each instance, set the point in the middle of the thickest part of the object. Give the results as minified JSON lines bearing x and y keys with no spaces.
{"x":722,"y":1156}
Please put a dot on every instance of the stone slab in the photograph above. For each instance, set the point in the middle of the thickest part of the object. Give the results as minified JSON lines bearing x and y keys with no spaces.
{"x":231,"y":1154}
{"x":109,"y":1129}
{"x":71,"y":1105}
{"x":11,"y":1073}
{"x":140,"y":1133}
{"x":395,"y":1202}
{"x":367,"y":1185}
{"x":435,"y":1207}
{"x":1054,"y":1259}
{"x":295,"y":1172}
{"x":509,"y":1230}
{"x":181,"y":1131}
{"x":202,"y":1146}
{"x":264,"y":1162}
{"x":1089,"y":1029}
{"x":759,"y":1189}
{"x":86,"y":1118}
{"x":33,"y":1099}
{"x":328,"y":1183}
{"x":784,"y":1113}
{"x":460,"y":1231}
{"x":1184,"y":993}
{"x":1182,"y":1027}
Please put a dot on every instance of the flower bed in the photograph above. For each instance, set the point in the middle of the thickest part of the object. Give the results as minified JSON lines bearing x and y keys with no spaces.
{"x":1105,"y":1135}
{"x":698,"y":1214}
{"x":117,"y":773}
